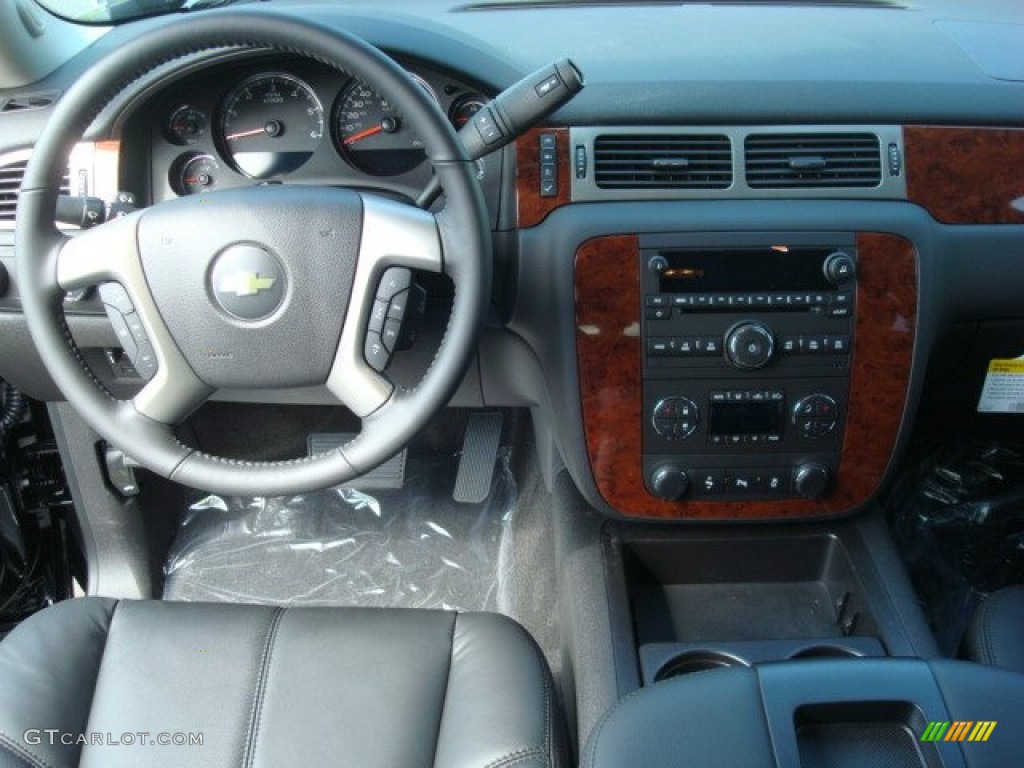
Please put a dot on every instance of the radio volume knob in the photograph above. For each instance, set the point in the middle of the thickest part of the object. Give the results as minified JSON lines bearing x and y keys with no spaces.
{"x":669,"y":482}
{"x":749,"y":345}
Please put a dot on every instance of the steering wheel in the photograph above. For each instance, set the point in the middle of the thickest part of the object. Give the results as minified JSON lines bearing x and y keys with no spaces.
{"x":263,"y":287}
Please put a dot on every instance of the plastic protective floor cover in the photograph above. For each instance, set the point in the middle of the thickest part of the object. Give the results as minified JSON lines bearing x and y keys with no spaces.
{"x":413,"y":548}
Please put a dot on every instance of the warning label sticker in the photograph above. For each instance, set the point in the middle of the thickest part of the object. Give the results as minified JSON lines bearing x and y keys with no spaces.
{"x":1004,"y":387}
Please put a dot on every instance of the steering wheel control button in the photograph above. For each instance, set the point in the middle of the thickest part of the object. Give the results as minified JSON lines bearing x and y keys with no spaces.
{"x":145,"y":360}
{"x":675,"y":418}
{"x":123,"y":333}
{"x":816,"y":416}
{"x":394,"y":281}
{"x":376,"y":354}
{"x":114,"y":295}
{"x":396,"y":309}
{"x":389,"y":336}
{"x":248,"y":282}
{"x":378,"y":315}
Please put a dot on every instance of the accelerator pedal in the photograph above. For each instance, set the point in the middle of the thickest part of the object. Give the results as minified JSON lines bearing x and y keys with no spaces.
{"x":479,"y":456}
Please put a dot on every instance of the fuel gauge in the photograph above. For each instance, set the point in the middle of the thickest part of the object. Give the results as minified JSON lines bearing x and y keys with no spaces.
{"x":194,"y":174}
{"x":186,"y":125}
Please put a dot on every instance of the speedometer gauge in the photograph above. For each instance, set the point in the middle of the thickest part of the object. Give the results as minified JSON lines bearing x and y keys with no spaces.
{"x":372,"y":136}
{"x":271,"y":124}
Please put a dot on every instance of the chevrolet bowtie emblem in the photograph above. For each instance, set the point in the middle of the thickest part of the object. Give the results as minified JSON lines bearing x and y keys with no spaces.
{"x":245,"y":283}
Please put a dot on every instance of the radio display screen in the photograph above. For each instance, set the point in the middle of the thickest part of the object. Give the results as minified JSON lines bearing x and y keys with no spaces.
{"x":746,"y":418}
{"x":745,"y":270}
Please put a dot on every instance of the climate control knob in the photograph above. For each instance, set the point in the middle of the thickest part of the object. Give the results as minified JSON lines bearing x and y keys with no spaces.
{"x":669,"y":482}
{"x":749,"y":345}
{"x":810,"y":480}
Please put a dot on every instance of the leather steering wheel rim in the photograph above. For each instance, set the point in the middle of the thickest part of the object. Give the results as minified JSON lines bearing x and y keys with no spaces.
{"x":462,"y":234}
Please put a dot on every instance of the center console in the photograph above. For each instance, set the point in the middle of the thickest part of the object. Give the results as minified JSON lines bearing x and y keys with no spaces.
{"x":747,"y":345}
{"x":743,"y":375}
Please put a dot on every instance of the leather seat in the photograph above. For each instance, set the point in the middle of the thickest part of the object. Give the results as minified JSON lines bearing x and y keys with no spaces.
{"x":996,"y":633}
{"x":265,"y":686}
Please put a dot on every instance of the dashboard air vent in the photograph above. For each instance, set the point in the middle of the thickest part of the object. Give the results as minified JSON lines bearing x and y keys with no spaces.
{"x":28,"y":101}
{"x":795,"y":160}
{"x":10,"y":180}
{"x":662,"y":161}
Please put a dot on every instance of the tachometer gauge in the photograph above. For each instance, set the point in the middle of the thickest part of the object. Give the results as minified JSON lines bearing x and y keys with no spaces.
{"x":372,"y":136}
{"x":271,"y":124}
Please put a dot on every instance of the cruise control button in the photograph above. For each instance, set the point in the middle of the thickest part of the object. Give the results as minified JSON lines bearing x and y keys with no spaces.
{"x":376,"y":355}
{"x":123,"y":333}
{"x":378,"y":314}
{"x":136,"y":328}
{"x":114,"y":295}
{"x":145,"y":361}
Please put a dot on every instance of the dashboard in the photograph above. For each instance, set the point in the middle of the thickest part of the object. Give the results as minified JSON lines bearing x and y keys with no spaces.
{"x":737,"y":144}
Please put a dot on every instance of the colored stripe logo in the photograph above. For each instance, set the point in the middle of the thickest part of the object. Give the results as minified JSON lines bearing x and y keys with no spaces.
{"x":960,"y":730}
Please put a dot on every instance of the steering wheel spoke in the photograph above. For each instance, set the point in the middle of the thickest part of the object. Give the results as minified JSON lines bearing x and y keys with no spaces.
{"x":395,"y":239}
{"x":110,"y":254}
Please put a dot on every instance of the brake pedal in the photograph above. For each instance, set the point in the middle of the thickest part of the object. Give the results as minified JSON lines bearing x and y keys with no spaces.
{"x":388,"y":476}
{"x":479,"y":455}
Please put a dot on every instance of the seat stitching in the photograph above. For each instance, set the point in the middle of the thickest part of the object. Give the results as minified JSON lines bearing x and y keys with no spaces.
{"x":545,"y":750}
{"x":99,"y":667}
{"x":20,"y":752}
{"x":988,"y":633}
{"x":447,"y":684}
{"x":519,"y":756}
{"x":259,"y":694}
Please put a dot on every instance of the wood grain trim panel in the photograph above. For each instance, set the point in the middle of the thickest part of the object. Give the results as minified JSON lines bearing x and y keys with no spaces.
{"x":532,"y":208}
{"x":608,"y":348}
{"x":966,"y":175}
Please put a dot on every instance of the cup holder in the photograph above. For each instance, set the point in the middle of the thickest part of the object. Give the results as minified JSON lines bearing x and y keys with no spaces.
{"x":697,"y":661}
{"x":826,"y":652}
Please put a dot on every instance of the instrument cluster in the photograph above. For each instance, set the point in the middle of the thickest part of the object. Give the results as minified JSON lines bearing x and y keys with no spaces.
{"x":293,"y":120}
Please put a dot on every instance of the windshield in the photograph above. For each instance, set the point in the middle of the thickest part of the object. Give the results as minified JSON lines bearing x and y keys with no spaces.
{"x":106,"y":11}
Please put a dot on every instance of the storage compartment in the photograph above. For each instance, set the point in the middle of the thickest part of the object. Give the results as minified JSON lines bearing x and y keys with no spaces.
{"x":865,"y":733}
{"x":747,"y":600}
